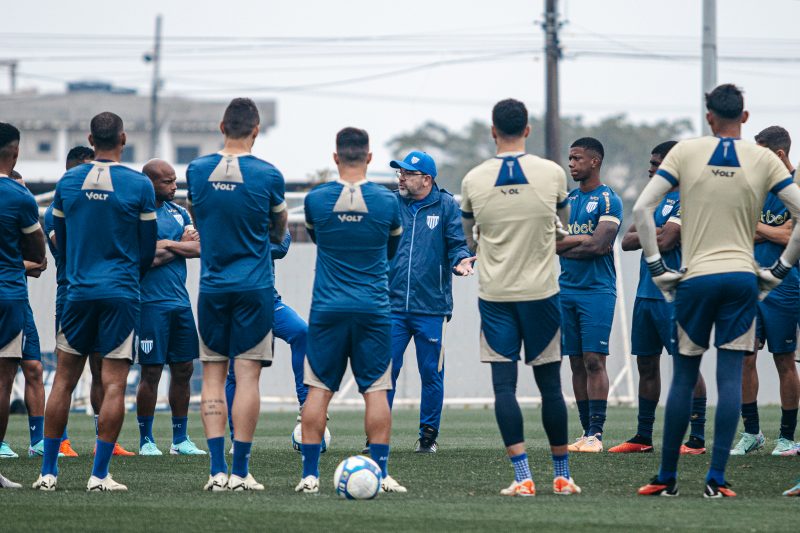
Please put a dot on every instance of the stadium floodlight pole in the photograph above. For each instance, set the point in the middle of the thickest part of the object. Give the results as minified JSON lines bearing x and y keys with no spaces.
{"x":552,"y":48}
{"x":155,"y":58}
{"x":709,"y":58}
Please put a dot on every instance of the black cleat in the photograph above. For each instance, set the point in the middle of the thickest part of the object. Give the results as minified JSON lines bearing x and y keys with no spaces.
{"x":715,"y":490}
{"x":365,"y":450}
{"x":427,"y":442}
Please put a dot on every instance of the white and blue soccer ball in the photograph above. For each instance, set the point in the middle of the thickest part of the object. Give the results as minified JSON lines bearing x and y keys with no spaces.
{"x":357,"y":478}
{"x":297,"y":439}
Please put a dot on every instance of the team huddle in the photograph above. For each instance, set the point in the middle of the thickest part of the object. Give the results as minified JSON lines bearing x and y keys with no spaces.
{"x":718,"y":250}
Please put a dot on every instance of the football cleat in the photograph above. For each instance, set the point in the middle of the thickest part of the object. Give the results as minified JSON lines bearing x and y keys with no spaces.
{"x":186,"y":447}
{"x":66,"y":449}
{"x":6,"y":483}
{"x":6,"y":452}
{"x":749,"y":443}
{"x":37,"y":449}
{"x":308,"y":485}
{"x":104,"y":485}
{"x":427,"y":442}
{"x":46,"y":483}
{"x":576,"y":446}
{"x":565,"y":486}
{"x":631,"y":447}
{"x":526,"y":487}
{"x":217,"y":483}
{"x":657,"y":487}
{"x":149,"y":448}
{"x":715,"y":490}
{"x":365,"y":449}
{"x":592,"y":444}
{"x":118,"y":450}
{"x":784,"y":447}
{"x":693,"y":446}
{"x":236,"y":483}
{"x":794,"y":491}
{"x":388,"y":484}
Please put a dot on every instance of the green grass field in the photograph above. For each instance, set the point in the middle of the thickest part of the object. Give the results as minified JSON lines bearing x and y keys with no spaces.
{"x":456,"y":489}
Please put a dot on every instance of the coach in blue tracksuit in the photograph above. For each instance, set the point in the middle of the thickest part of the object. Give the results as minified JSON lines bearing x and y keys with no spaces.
{"x":432,"y":247}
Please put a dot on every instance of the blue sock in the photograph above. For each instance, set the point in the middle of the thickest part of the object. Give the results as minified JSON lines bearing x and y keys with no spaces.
{"x":311,"y":459}
{"x":65,"y":436}
{"x":597,"y":417}
{"x":216,"y":449}
{"x":729,"y":394}
{"x":676,"y":416}
{"x":145,"y":429}
{"x":750,"y":418}
{"x":583,"y":414}
{"x":102,"y":458}
{"x":561,"y":465}
{"x":788,"y":423}
{"x":36,"y":427}
{"x":50,"y":459}
{"x":521,"y":469}
{"x":647,"y":417}
{"x":241,"y":458}
{"x":179,"y":424}
{"x":716,"y":475}
{"x":698,"y":418}
{"x":380,"y":454}
{"x":96,"y":427}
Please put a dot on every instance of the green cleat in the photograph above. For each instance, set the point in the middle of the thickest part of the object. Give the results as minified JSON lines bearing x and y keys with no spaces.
{"x":149,"y":448}
{"x":785,"y":447}
{"x":186,"y":447}
{"x":749,"y":443}
{"x":37,"y":449}
{"x":794,"y":491}
{"x":6,"y":452}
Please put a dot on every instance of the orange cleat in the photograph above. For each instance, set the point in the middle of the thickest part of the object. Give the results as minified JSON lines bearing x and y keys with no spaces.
{"x":118,"y":450}
{"x":565,"y":486}
{"x":631,"y":447}
{"x":686,"y":450}
{"x":715,"y":490}
{"x":520,"y":488}
{"x":66,"y":449}
{"x":659,"y":488}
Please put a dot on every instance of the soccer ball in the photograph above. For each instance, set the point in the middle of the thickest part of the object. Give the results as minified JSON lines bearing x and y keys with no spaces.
{"x":297,"y":438}
{"x":357,"y":478}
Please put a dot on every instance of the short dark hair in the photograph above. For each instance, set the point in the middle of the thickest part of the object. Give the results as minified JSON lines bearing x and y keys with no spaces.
{"x":509,"y":117}
{"x":240,"y":117}
{"x":15,"y":175}
{"x":663,"y":149}
{"x":590,"y":143}
{"x":106,"y":129}
{"x":79,"y":154}
{"x":352,"y":145}
{"x":8,"y":135}
{"x":775,"y":138}
{"x":726,"y":101}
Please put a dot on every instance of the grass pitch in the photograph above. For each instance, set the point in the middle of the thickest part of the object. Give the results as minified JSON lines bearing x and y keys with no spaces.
{"x":456,"y":489}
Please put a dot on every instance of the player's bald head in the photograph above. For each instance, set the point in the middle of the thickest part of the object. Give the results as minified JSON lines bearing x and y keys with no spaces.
{"x":156,"y":168}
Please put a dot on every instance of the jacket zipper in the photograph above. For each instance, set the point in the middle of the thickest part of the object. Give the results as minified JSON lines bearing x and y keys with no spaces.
{"x":411,"y":254}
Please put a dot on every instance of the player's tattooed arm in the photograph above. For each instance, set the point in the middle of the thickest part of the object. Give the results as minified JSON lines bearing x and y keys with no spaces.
{"x":598,"y":244}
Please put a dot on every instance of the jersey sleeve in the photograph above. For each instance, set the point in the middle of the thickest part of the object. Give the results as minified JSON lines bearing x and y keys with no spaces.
{"x":28,"y":218}
{"x":49,"y":229}
{"x":396,"y":226}
{"x":611,"y":208}
{"x":277,"y":193}
{"x":58,"y":204}
{"x":187,"y":218}
{"x":670,"y":166}
{"x":562,"y":198}
{"x":466,"y":204}
{"x":778,"y":177}
{"x":147,"y":203}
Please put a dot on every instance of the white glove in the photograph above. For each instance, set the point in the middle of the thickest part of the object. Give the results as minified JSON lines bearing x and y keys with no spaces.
{"x":665,"y":278}
{"x":560,"y":231}
{"x":769,"y":278}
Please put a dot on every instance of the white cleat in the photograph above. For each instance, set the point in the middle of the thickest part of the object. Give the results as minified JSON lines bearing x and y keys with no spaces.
{"x":104,"y":485}
{"x":308,"y":485}
{"x":217,"y":483}
{"x":388,"y":484}
{"x":46,"y":483}
{"x":236,"y":483}
{"x":6,"y":483}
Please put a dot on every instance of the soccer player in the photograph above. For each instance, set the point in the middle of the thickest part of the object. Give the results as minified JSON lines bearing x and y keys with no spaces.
{"x":21,"y":239}
{"x":105,"y":226}
{"x":239,"y":208}
{"x":356,"y":227}
{"x":776,"y":321}
{"x":589,"y":287}
{"x":653,"y":329}
{"x":724,"y":182}
{"x":513,"y":202}
{"x":432,"y":248}
{"x":167,"y":334}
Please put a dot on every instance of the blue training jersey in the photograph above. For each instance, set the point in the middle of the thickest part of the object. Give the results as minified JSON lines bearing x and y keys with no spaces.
{"x":774,"y":213}
{"x":167,"y":283}
{"x":587,"y":210}
{"x":18,"y":214}
{"x":102,"y":203}
{"x":232,"y":197}
{"x":352,"y":224}
{"x":668,"y":210}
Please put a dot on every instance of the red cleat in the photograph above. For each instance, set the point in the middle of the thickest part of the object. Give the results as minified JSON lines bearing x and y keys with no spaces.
{"x":631,"y":447}
{"x":659,"y":488}
{"x":118,"y":450}
{"x":686,"y":450}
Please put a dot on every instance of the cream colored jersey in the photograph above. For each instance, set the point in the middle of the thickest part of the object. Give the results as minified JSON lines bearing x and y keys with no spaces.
{"x":723,"y":184}
{"x":513,"y":198}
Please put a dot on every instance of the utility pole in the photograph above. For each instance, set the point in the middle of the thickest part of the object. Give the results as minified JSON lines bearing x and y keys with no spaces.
{"x":552,"y":49}
{"x":12,"y":73}
{"x":155,"y":58}
{"x":709,"y":57}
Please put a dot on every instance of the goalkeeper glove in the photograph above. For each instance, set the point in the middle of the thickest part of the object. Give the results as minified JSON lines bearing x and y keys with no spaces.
{"x":560,"y":231}
{"x":769,"y":278}
{"x":664,"y":277}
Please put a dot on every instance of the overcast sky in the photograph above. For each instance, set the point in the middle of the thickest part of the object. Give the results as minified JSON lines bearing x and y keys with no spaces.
{"x":389,"y":66}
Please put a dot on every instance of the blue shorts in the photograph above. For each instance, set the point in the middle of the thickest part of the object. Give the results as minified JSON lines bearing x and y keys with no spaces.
{"x":363,"y":338}
{"x":30,"y":341}
{"x":12,"y":324}
{"x":106,"y":326}
{"x":507,"y":326}
{"x":653,"y":327}
{"x":726,"y":302}
{"x":235,"y":324}
{"x":586,"y":322}
{"x":61,"y":297}
{"x":776,"y":322}
{"x":167,"y":335}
